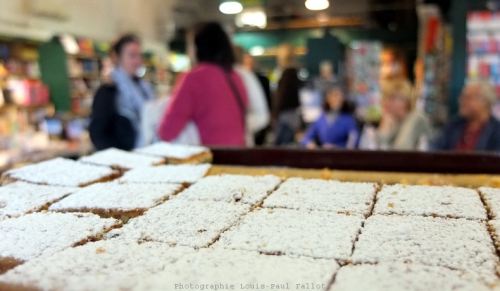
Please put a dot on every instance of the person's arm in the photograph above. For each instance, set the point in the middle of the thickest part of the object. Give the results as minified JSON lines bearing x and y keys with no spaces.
{"x":411,"y":131}
{"x":106,"y":128}
{"x":353,"y":134}
{"x":257,"y":114}
{"x":309,"y":136}
{"x":180,"y":109}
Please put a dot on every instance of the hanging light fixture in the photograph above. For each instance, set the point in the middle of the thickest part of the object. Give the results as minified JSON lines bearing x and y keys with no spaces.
{"x":230,"y":7}
{"x":317,"y":4}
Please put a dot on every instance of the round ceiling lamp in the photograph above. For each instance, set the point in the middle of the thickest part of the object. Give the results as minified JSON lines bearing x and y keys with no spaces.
{"x":230,"y":7}
{"x":317,"y":4}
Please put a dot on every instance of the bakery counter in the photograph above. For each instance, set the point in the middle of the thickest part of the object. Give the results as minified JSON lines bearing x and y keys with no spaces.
{"x":350,"y":160}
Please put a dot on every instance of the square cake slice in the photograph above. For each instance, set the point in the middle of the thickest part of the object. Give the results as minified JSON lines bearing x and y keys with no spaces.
{"x":178,"y":154}
{"x":491,"y":197}
{"x":494,"y":227}
{"x":116,"y":200}
{"x":177,"y":174}
{"x":242,"y":268}
{"x":328,"y":195}
{"x":122,"y":160}
{"x":453,"y":243}
{"x":408,"y":277}
{"x":182,"y":222}
{"x":102,"y":265}
{"x":436,"y":201}
{"x":317,"y":234}
{"x":33,"y":235}
{"x":20,"y":198}
{"x":232,"y":188}
{"x":60,"y":172}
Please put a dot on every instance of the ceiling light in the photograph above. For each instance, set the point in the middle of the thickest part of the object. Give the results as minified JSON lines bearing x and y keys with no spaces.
{"x":254,"y":17}
{"x":257,"y":51}
{"x":317,"y":4}
{"x":230,"y":7}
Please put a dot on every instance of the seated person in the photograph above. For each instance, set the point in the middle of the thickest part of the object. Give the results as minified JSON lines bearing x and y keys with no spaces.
{"x":335,"y":128}
{"x":402,"y":127}
{"x":475,"y":129}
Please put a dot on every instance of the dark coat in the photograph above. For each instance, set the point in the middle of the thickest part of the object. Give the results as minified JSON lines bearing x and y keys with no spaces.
{"x":107,"y":128}
{"x":489,"y":139}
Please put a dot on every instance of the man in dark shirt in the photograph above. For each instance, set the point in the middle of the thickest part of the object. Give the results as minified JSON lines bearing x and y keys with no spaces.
{"x":475,"y":129}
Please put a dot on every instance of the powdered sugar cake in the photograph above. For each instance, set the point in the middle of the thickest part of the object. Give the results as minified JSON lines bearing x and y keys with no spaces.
{"x":20,"y":198}
{"x":491,"y":197}
{"x":494,"y":227}
{"x":408,"y":277}
{"x":33,"y":235}
{"x":60,"y":172}
{"x":178,"y":154}
{"x":329,"y":195}
{"x":437,"y":201}
{"x":182,"y":222}
{"x":232,"y":188}
{"x":453,"y":243}
{"x":178,"y":174}
{"x":102,"y":265}
{"x":116,"y":200}
{"x":241,"y":268}
{"x":122,"y":160}
{"x":317,"y":234}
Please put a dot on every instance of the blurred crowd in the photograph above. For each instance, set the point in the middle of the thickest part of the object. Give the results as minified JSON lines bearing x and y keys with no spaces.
{"x":225,"y":101}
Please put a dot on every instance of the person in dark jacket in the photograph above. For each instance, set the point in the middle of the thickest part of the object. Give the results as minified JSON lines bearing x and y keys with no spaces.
{"x":475,"y":129}
{"x":285,"y":112}
{"x":117,"y":108}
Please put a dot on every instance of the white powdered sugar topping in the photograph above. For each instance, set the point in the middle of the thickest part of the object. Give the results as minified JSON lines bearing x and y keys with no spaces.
{"x":122,"y":159}
{"x":441,"y":201}
{"x":454,"y":243}
{"x":242,"y":268}
{"x":36,"y":234}
{"x":169,"y":150}
{"x":116,"y":197}
{"x":491,"y":197}
{"x":316,"y":234}
{"x":232,"y":188}
{"x":20,"y":198}
{"x":61,"y":172}
{"x":178,"y":174}
{"x":103,"y":265}
{"x":182,"y":222}
{"x":315,"y":194}
{"x":408,"y":277}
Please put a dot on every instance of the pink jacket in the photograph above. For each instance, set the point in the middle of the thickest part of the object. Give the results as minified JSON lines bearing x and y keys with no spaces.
{"x":204,"y":96}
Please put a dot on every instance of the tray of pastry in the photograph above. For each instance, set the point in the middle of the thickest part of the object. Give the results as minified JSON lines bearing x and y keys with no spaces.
{"x":171,"y":218}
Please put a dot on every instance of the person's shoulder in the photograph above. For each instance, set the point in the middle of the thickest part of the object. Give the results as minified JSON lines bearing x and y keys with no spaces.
{"x":107,"y":89}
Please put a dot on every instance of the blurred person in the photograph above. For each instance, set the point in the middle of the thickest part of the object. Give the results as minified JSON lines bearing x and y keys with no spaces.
{"x":118,"y":104}
{"x":285,"y":112}
{"x":250,"y":64}
{"x":257,"y":115}
{"x":212,"y":95}
{"x":475,"y":129}
{"x":326,"y":77}
{"x":336,"y":127}
{"x":402,"y":126}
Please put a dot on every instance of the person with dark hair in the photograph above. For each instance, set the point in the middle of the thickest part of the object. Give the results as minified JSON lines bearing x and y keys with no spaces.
{"x":285,"y":112}
{"x":211,"y":95}
{"x":117,"y":108}
{"x":336,"y":127}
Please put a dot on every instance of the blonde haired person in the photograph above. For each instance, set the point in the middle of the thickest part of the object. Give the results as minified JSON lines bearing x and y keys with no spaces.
{"x":475,"y":129}
{"x":402,"y":126}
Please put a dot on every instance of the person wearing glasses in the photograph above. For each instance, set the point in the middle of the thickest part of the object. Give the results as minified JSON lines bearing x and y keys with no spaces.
{"x":475,"y":129}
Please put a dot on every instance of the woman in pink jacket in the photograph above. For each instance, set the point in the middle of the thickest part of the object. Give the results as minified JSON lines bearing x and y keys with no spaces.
{"x":211,"y":95}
